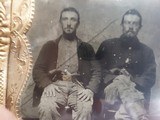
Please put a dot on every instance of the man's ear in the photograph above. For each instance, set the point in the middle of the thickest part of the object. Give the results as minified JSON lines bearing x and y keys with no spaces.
{"x":121,"y":25}
{"x":78,"y":24}
{"x":140,"y":27}
{"x":60,"y":22}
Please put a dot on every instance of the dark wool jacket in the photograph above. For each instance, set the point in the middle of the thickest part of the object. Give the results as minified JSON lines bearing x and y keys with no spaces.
{"x":140,"y":64}
{"x":88,"y":68}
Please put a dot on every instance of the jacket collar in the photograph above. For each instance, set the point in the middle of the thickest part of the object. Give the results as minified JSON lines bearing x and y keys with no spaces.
{"x":132,"y":43}
{"x":79,"y":41}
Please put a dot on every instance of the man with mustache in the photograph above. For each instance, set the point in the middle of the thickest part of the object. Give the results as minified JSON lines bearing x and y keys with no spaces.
{"x":66,"y":73}
{"x":129,"y":70}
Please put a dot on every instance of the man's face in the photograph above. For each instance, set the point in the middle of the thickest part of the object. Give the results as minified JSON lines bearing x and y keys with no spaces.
{"x":69,"y":22}
{"x":131,"y":25}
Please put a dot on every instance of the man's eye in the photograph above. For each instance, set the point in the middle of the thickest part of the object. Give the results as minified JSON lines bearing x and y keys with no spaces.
{"x":73,"y":19}
{"x":136,"y":23}
{"x":126,"y":22}
{"x":64,"y":18}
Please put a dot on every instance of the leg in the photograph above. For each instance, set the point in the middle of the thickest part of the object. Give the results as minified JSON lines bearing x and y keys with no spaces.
{"x":121,"y":114}
{"x":136,"y":111}
{"x":111,"y":101}
{"x":50,"y":106}
{"x":132,"y":99}
{"x":84,"y":110}
{"x":81,"y":110}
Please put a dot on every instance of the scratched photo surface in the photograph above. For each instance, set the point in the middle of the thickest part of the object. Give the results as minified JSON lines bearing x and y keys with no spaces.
{"x":99,"y":20}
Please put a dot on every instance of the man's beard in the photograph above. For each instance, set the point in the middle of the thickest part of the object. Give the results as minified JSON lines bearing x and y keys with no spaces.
{"x":130,"y":33}
{"x":69,"y":36}
{"x":129,"y":41}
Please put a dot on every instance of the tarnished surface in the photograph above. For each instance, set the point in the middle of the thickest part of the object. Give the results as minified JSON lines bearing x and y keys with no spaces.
{"x":15,"y":57}
{"x":4,"y":49}
{"x":95,"y":16}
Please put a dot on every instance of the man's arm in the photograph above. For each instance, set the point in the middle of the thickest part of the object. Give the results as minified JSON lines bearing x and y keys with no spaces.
{"x":40,"y":70}
{"x":102,"y":58}
{"x":90,"y":67}
{"x":147,"y":79}
{"x":95,"y":76}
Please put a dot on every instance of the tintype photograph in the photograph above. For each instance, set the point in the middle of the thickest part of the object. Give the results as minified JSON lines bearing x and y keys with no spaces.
{"x":93,"y":60}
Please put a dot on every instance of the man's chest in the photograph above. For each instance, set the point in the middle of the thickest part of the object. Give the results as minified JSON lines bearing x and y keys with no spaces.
{"x":67,"y":55}
{"x":125,"y":57}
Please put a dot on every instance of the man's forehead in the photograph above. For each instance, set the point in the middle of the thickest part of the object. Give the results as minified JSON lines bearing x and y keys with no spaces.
{"x":69,"y":13}
{"x":131,"y":17}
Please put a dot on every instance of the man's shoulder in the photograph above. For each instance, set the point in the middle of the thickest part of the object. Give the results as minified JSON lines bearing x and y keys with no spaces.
{"x":111,"y":41}
{"x":49,"y":45}
{"x":145,"y":47}
{"x":52,"y":43}
{"x":85,"y":50}
{"x":84,"y":44}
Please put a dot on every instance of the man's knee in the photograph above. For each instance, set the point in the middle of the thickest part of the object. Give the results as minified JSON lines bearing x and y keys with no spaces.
{"x":48,"y":105}
{"x":122,"y":114}
{"x":86,"y":107}
{"x":132,"y":111}
{"x":83,"y":112}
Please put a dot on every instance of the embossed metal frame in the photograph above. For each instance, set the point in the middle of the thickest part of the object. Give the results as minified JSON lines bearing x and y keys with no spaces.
{"x":15,"y":20}
{"x":15,"y":55}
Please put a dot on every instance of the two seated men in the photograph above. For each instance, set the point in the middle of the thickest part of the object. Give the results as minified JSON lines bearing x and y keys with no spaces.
{"x":68,"y":72}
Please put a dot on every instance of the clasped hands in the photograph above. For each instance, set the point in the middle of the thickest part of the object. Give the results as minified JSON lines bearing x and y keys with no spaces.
{"x":118,"y":71}
{"x":50,"y":90}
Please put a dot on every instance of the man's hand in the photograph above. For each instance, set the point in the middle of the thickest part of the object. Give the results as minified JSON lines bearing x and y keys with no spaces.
{"x":50,"y":90}
{"x":118,"y":71}
{"x":66,"y":76}
{"x":55,"y":74}
{"x":125,"y":72}
{"x":115,"y":71}
{"x":85,"y":95}
{"x":6,"y":114}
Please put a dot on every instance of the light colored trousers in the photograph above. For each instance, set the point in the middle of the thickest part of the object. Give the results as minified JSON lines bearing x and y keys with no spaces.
{"x":68,"y":96}
{"x":132,"y":107}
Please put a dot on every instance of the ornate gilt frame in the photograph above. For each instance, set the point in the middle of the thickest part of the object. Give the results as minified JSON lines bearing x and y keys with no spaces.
{"x":15,"y":55}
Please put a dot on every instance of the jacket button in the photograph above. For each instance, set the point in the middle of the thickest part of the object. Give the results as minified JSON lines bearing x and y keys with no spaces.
{"x":130,"y":48}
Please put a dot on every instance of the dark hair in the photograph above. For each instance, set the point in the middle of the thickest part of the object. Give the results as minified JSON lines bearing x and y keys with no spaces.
{"x":70,"y":9}
{"x":132,"y":12}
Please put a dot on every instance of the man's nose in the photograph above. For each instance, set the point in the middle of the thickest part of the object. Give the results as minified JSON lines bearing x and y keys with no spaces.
{"x":68,"y":22}
{"x":131,"y":26}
